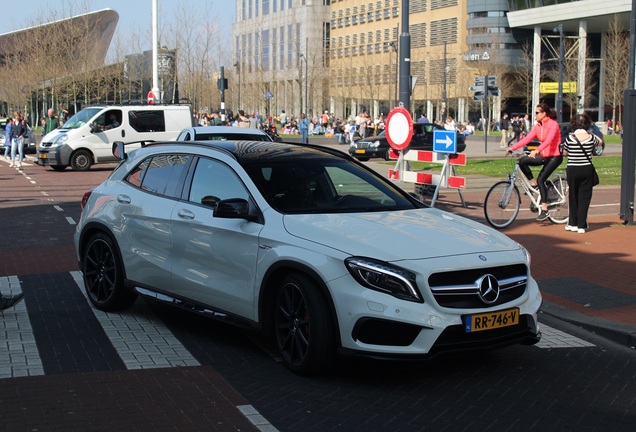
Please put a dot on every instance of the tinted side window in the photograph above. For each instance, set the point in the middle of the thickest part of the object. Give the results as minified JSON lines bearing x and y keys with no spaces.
{"x":147,"y":121}
{"x":214,"y":179}
{"x":161,"y":175}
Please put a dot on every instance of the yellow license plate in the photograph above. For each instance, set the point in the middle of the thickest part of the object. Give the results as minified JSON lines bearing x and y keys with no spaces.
{"x":360,"y":151}
{"x":491,"y":320}
{"x":42,"y":156}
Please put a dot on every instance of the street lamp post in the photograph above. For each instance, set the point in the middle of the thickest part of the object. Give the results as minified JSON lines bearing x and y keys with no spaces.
{"x":442,"y":117}
{"x":238,"y":69}
{"x":304,"y":57}
{"x":395,"y":49}
{"x":559,"y":100}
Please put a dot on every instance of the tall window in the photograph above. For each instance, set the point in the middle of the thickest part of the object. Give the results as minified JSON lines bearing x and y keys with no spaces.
{"x":282,"y":47}
{"x":266,"y":48}
{"x":290,"y":47}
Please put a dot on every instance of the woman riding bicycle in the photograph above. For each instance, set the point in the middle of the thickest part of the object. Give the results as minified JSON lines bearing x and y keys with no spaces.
{"x":546,"y":155}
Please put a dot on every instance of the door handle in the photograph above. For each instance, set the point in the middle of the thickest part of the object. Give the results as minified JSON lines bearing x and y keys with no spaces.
{"x":123,"y":133}
{"x":185,"y":214}
{"x":124,"y":199}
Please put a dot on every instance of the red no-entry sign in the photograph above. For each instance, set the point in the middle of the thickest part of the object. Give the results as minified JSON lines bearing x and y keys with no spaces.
{"x":399,"y":128}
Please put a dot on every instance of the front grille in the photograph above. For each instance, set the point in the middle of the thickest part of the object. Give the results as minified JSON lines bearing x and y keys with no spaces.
{"x":362,"y":145}
{"x":460,"y":289}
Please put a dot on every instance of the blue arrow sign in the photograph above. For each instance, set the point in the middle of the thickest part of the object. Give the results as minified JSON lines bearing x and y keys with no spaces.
{"x":445,"y":141}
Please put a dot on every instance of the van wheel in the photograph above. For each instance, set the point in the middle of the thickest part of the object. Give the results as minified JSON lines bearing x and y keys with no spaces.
{"x":81,"y":160}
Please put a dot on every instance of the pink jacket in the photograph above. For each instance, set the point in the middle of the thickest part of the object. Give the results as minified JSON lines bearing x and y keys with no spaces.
{"x":548,"y":133}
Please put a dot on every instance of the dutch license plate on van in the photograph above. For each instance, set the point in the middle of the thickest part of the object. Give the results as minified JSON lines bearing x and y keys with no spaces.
{"x":491,"y":320}
{"x":42,"y":155}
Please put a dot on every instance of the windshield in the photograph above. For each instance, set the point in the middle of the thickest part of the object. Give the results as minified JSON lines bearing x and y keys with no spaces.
{"x":324,"y":185}
{"x":81,"y":118}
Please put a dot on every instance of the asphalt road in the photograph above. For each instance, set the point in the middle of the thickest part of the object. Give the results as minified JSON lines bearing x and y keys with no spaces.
{"x":70,"y":371}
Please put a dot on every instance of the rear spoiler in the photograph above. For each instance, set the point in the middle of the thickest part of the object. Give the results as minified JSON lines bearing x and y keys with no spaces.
{"x":119,"y":147}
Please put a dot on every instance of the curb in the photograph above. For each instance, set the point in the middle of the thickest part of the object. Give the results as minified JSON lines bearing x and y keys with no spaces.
{"x":622,"y":334}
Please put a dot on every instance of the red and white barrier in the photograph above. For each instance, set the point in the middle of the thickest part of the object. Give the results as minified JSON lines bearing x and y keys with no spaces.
{"x":446,"y":178}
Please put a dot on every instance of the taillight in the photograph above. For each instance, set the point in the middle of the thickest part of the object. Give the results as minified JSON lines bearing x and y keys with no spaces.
{"x":85,"y":198}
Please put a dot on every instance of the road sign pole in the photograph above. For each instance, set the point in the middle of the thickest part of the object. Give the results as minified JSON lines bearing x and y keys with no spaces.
{"x":486,"y":115}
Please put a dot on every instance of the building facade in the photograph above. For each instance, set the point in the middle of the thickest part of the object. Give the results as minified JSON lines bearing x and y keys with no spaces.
{"x":280,"y":51}
{"x":451,"y":42}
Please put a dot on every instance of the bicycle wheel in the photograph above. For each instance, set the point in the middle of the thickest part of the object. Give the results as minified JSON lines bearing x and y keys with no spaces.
{"x":502,"y":204}
{"x":558,"y":200}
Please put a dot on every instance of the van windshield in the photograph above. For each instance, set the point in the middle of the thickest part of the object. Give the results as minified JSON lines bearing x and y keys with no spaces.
{"x":81,"y":118}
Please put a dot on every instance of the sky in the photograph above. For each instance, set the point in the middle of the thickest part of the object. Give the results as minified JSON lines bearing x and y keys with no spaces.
{"x":134,"y":15}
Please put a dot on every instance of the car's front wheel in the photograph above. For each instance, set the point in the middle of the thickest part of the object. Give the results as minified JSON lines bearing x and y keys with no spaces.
{"x":303,"y":327}
{"x":103,"y":275}
{"x":81,"y":160}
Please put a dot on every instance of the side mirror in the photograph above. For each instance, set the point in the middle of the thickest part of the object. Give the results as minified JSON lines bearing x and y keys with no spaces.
{"x":119,"y":150}
{"x":233,"y":208}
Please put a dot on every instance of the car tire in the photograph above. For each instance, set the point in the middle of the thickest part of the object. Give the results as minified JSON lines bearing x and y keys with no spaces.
{"x":387,"y":155}
{"x":103,"y":275}
{"x":81,"y":160}
{"x":303,"y":326}
{"x":598,"y":150}
{"x":362,"y":159}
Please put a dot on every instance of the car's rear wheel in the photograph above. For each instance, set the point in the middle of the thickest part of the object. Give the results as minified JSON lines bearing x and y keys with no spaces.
{"x":103,"y":275}
{"x":303,"y":326}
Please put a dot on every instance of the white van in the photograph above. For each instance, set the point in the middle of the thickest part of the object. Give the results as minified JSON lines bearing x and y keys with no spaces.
{"x":86,"y":138}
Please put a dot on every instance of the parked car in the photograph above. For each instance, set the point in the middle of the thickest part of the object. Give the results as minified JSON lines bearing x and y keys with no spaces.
{"x":378,"y":146}
{"x":29,"y":140}
{"x":223,"y":133}
{"x":305,"y":243}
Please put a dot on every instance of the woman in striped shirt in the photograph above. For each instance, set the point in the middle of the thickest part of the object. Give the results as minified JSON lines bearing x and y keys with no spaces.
{"x":579,"y":147}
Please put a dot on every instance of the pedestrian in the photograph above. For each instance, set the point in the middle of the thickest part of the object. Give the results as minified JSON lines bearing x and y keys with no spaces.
{"x":303,"y":125}
{"x":52,"y":122}
{"x":547,"y":154}
{"x":579,"y":148}
{"x":504,"y":125}
{"x":423,"y":118}
{"x":19,"y":133}
{"x":8,"y":138}
{"x":7,"y":301}
{"x":517,"y":129}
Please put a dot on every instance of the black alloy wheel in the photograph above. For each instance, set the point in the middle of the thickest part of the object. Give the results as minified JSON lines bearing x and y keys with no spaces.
{"x":103,"y":275}
{"x":303,"y":326}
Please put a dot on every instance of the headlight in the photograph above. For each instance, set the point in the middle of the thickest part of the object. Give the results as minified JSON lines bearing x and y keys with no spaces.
{"x":60,"y":141}
{"x":527,"y":254}
{"x":384,"y":277}
{"x":375,"y":143}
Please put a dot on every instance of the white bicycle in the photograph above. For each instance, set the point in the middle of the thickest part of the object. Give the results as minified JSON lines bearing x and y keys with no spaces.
{"x":503,"y":200}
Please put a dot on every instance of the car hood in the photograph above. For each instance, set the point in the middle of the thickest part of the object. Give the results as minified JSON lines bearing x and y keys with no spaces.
{"x":410,"y":234}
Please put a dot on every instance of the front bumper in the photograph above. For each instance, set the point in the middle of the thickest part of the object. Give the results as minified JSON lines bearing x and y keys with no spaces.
{"x":54,"y":156}
{"x":381,"y":326}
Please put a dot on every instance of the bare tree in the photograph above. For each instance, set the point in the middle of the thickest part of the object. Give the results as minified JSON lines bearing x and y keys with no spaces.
{"x":523,"y":74}
{"x":616,"y":65}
